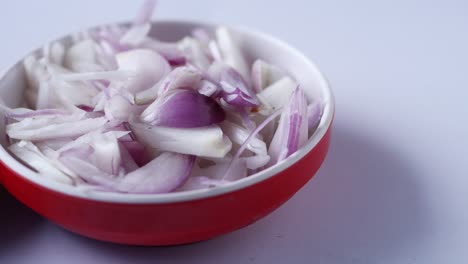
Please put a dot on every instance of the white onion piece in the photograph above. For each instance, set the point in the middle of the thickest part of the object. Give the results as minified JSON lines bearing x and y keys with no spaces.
{"x":202,"y":141}
{"x":292,"y":131}
{"x":32,"y":156}
{"x":50,"y":129}
{"x":81,"y":53}
{"x":22,"y":113}
{"x":212,"y":176}
{"x":145,"y":13}
{"x":135,"y":35}
{"x":239,"y":134}
{"x":106,"y":155}
{"x":264,"y":74}
{"x":163,"y":174}
{"x":180,"y":77}
{"x":231,"y":53}
{"x":121,"y":75}
{"x":149,"y":68}
{"x":276,"y":95}
{"x":170,"y":51}
{"x":35,"y":72}
{"x":118,"y":108}
{"x":57,"y":53}
{"x":195,"y":52}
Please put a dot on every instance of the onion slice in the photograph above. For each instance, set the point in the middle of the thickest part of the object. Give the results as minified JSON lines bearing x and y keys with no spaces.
{"x":201,"y":141}
{"x":183,"y":108}
{"x":292,"y":131}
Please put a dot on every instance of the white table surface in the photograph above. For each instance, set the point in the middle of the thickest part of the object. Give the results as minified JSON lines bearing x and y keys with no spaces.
{"x":394,"y":188}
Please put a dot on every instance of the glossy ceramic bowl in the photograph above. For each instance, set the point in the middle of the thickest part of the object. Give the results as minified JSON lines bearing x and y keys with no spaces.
{"x":176,"y":218}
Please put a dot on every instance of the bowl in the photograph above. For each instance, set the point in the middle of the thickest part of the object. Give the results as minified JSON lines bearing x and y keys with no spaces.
{"x":184,"y":217}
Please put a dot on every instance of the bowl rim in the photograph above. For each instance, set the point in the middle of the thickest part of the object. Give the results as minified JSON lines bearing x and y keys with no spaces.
{"x":113,"y":197}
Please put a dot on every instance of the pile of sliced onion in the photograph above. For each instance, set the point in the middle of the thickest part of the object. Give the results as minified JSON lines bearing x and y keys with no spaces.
{"x":121,"y":111}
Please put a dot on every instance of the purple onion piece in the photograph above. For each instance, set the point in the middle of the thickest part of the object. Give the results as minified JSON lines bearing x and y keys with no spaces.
{"x":234,"y":89}
{"x":200,"y":141}
{"x":292,"y":131}
{"x":169,"y":51}
{"x":162,"y":175}
{"x":183,"y":108}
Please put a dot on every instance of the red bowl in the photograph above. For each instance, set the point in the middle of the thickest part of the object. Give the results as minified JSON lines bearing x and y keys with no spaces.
{"x":185,"y":217}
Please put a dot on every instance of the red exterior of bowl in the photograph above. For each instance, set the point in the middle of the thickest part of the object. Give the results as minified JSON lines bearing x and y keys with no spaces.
{"x":167,"y":223}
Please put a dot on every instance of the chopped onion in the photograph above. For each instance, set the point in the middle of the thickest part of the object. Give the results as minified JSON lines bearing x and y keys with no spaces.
{"x":277,"y":94}
{"x":264,"y":74}
{"x":231,"y":53}
{"x":200,"y":141}
{"x":149,"y":67}
{"x":33,"y":157}
{"x":235,"y":90}
{"x":292,"y":131}
{"x":115,"y":109}
{"x":183,"y":108}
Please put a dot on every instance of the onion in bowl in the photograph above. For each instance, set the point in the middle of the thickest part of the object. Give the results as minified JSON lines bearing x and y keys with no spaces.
{"x":195,"y":104}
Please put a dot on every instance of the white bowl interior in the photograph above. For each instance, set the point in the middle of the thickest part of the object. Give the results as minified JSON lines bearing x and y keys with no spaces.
{"x":254,"y":45}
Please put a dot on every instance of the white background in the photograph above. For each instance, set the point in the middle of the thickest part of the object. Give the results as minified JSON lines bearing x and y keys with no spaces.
{"x":394,"y":187}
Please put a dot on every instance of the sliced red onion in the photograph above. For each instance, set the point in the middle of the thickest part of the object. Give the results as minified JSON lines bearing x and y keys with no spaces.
{"x":264,"y":74}
{"x":201,"y":141}
{"x":180,"y":77}
{"x":137,"y":151}
{"x":170,"y":51}
{"x":128,"y":163}
{"x":106,"y":155}
{"x":99,"y":75}
{"x":202,"y":35}
{"x":118,"y":78}
{"x":239,"y":136}
{"x":195,"y":183}
{"x":57,"y":53}
{"x":276,"y":95}
{"x":252,"y":135}
{"x":50,"y":129}
{"x":149,"y":68}
{"x":145,"y":13}
{"x":81,"y":53}
{"x":231,"y":53}
{"x":195,"y":52}
{"x":235,"y":90}
{"x":32,"y":156}
{"x":136,"y":35}
{"x":161,"y":175}
{"x":35,"y":72}
{"x":292,"y":131}
{"x":246,"y":120}
{"x":183,"y":108}
{"x":21,"y":113}
{"x":118,"y":108}
{"x":207,"y":88}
